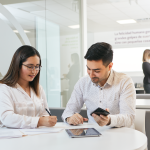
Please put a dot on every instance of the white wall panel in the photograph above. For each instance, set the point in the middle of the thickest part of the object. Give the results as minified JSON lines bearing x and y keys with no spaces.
{"x":9,"y":43}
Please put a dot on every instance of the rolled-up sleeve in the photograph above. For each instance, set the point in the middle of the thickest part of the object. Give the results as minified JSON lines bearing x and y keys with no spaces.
{"x":127,"y":106}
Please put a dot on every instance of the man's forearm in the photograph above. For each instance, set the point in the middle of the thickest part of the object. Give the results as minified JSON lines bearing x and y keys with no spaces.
{"x":122,"y":120}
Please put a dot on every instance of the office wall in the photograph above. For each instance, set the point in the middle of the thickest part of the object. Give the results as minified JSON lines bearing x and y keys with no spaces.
{"x":9,"y":41}
{"x":90,"y":39}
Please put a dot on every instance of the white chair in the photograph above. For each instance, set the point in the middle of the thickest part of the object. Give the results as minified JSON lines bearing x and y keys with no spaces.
{"x":140,"y":121}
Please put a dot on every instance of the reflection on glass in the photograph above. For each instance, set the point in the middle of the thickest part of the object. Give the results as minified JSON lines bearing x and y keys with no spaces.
{"x":74,"y":72}
{"x":83,"y":132}
{"x":47,"y":26}
{"x":77,"y":131}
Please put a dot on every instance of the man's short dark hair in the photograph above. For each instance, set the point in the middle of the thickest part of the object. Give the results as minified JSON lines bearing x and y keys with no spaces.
{"x":100,"y":51}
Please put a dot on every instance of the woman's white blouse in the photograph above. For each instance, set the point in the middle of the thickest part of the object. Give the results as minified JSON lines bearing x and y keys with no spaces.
{"x":18,"y":109}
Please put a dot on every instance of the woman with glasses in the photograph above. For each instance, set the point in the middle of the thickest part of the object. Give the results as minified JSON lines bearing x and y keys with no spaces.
{"x":22,"y":99}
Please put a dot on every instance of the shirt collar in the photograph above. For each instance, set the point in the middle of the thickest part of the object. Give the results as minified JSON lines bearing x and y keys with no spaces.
{"x":97,"y":85}
{"x":17,"y":86}
{"x":110,"y":78}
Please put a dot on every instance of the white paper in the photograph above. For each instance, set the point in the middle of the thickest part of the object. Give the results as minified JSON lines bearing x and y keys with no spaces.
{"x":67,"y":126}
{"x":10,"y":133}
{"x":40,"y":130}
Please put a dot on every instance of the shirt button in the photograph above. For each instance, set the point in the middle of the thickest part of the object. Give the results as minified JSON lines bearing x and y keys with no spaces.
{"x":100,"y":101}
{"x":101,"y":88}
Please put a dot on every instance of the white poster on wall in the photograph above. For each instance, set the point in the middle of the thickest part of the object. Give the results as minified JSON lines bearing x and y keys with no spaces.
{"x":125,"y":38}
{"x":132,"y":37}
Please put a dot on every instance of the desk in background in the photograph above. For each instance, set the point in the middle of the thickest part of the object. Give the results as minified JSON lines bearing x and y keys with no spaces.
{"x":143,"y":104}
{"x":139,"y":90}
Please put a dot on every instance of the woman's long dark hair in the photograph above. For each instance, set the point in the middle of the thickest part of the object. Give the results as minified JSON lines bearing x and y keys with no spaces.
{"x":20,"y":56}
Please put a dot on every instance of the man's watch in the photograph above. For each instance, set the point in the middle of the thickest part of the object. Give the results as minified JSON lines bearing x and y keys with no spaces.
{"x":67,"y":119}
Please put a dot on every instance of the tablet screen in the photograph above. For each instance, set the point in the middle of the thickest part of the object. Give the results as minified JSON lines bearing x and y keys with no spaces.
{"x":83,"y":132}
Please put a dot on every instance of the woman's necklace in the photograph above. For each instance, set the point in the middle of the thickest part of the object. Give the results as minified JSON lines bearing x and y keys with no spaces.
{"x":26,"y":88}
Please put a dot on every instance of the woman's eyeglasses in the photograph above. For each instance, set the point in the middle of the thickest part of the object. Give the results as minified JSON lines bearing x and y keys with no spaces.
{"x":30,"y":68}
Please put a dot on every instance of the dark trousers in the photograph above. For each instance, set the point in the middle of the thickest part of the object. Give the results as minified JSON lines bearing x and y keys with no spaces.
{"x":147,"y":88}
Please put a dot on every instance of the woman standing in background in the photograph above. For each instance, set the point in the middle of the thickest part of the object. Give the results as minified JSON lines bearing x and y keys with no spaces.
{"x":74,"y":73}
{"x":146,"y":70}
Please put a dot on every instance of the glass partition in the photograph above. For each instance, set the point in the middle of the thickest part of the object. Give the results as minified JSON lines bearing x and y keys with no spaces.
{"x":53,"y":28}
{"x":63,"y":49}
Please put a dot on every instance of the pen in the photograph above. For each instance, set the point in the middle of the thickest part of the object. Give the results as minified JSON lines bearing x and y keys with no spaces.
{"x":48,"y":111}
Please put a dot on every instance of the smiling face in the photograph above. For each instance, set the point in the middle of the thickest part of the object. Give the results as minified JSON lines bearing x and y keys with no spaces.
{"x":98,"y":72}
{"x":25,"y":73}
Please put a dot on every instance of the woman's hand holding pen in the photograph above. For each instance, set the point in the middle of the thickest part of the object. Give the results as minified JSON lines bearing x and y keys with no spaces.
{"x":47,"y":121}
{"x":76,"y":119}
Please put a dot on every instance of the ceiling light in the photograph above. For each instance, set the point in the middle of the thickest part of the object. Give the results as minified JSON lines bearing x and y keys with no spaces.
{"x":16,"y":31}
{"x":74,"y":26}
{"x":126,"y":21}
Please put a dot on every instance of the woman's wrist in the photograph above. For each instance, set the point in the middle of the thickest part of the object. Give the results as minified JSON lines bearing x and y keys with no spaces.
{"x":40,"y":122}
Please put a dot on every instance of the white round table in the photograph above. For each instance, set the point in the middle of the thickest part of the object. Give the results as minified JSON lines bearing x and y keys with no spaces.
{"x":111,"y":139}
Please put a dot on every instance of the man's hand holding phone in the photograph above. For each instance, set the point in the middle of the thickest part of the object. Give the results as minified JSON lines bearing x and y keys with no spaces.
{"x":76,"y":119}
{"x":101,"y":119}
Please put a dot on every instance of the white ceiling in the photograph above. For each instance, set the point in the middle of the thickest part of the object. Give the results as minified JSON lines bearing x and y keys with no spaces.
{"x":105,"y":13}
{"x":61,"y":12}
{"x":101,"y":14}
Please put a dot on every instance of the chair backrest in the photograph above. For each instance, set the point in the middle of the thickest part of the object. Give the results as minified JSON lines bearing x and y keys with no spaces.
{"x":142,"y":96}
{"x":147,"y":126}
{"x":142,"y":123}
{"x":59,"y":111}
{"x":140,"y":120}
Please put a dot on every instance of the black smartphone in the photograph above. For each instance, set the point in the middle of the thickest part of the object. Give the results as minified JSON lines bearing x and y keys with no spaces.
{"x":99,"y":111}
